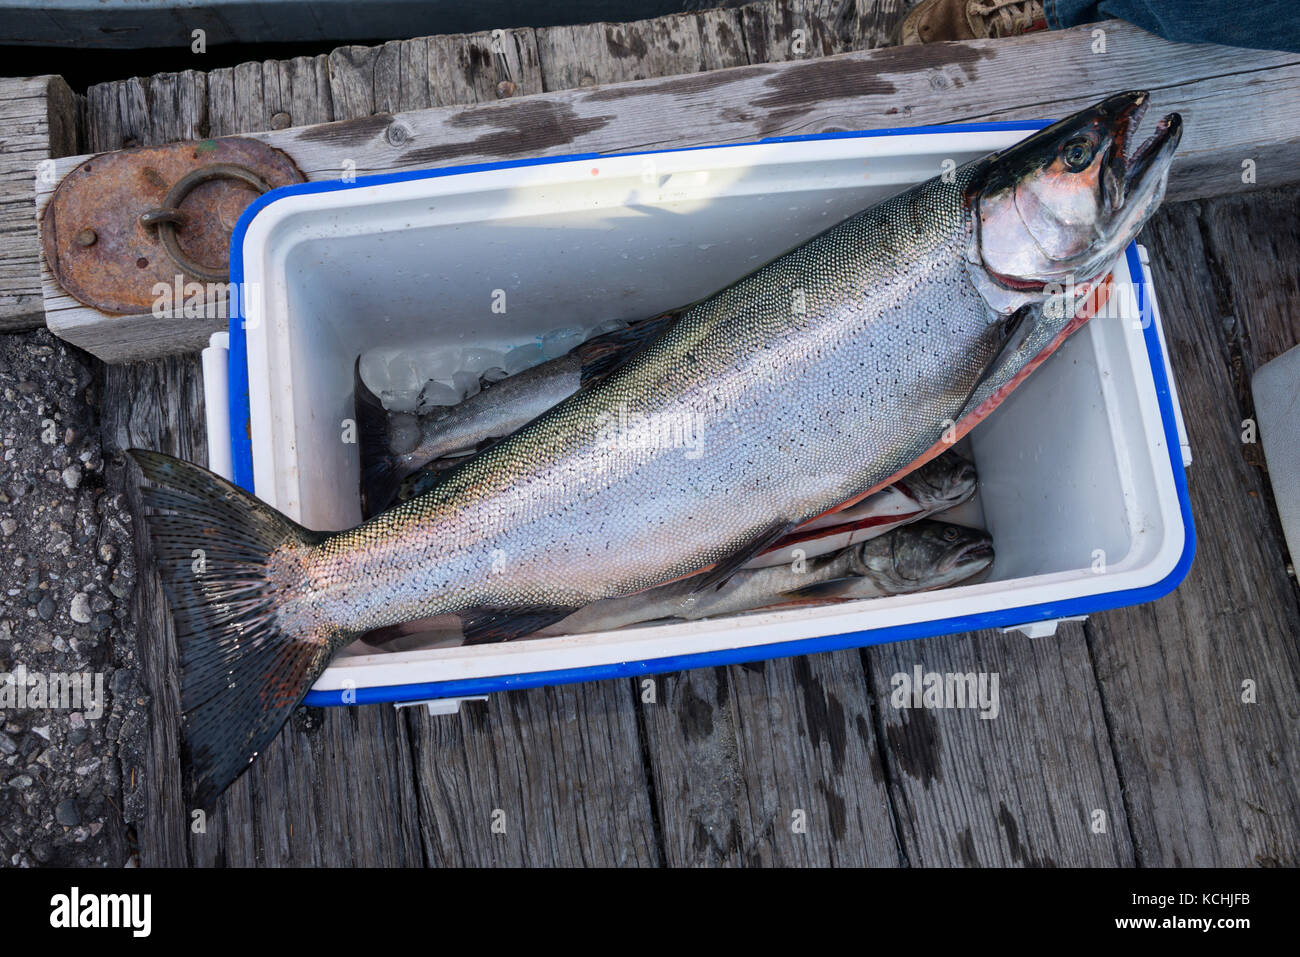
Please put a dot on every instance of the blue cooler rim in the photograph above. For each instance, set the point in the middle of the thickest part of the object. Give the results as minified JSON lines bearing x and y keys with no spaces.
{"x":242,"y":455}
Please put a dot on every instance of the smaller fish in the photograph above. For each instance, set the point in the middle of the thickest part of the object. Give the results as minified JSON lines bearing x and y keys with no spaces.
{"x":938,"y":485}
{"x":918,"y":557}
{"x":396,"y":447}
{"x":922,"y":556}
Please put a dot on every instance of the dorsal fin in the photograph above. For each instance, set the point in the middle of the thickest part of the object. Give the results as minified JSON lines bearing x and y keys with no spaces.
{"x":603,"y":354}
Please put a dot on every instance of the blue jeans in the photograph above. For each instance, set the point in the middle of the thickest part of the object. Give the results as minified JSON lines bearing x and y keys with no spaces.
{"x":1262,"y":24}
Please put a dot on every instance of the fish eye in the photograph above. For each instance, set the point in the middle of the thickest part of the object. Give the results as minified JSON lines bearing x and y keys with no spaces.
{"x":950,"y":534}
{"x":1077,"y":153}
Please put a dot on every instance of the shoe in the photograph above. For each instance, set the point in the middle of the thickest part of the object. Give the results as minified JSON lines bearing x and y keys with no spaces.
{"x":934,"y":20}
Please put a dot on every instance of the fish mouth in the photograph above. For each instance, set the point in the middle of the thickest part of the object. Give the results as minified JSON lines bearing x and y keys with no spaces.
{"x":1130,"y":167}
{"x":977,"y":552}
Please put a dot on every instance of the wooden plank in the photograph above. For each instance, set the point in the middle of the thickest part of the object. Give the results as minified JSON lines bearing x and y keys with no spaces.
{"x":1254,"y":247}
{"x":146,"y":111}
{"x":806,"y":29}
{"x":471,"y":68}
{"x":352,"y":81}
{"x":1235,"y":102}
{"x":773,"y":763}
{"x":405,"y":75}
{"x":562,"y":765}
{"x":321,"y":795}
{"x":865,"y":90}
{"x":722,"y":38}
{"x":402,"y":76}
{"x":272,"y":94}
{"x":152,"y":405}
{"x":1033,"y":786}
{"x":591,"y":54}
{"x":549,"y":777}
{"x":1210,"y":780}
{"x":37,"y":122}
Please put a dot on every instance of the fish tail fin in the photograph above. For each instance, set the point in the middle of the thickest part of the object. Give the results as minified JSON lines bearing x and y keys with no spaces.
{"x":242,"y":674}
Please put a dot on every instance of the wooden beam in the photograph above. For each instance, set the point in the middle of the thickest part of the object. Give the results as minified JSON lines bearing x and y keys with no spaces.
{"x":1241,"y":107}
{"x":1030,"y":784}
{"x":773,"y":763}
{"x":1200,"y":686}
{"x":37,"y":123}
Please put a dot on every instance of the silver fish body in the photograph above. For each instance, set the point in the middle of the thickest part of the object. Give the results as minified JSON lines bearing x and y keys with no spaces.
{"x":496,"y":411}
{"x":790,"y":413}
{"x":917,"y":557}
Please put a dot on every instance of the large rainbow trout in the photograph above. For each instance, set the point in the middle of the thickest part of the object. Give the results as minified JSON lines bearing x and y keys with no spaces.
{"x":803,"y":386}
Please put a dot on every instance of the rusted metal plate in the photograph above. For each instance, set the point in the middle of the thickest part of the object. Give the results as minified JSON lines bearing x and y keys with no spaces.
{"x":101,"y":252}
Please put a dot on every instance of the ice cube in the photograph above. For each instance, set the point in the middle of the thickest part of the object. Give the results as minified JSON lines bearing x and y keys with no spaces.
{"x":492,"y":376}
{"x":374,"y":372}
{"x":559,"y":342}
{"x":610,"y":325}
{"x":404,"y":382}
{"x":523,"y":357}
{"x":438,"y":393}
{"x":440,"y":363}
{"x":399,"y":401}
{"x":476,"y":360}
{"x":466,"y":382}
{"x":403,"y":433}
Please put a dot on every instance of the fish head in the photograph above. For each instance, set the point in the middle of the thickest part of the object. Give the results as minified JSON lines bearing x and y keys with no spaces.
{"x":926,"y":554}
{"x":942,"y":482}
{"x":1060,"y":206}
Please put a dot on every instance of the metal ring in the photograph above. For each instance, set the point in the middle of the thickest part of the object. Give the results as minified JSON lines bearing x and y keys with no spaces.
{"x":168,"y":217}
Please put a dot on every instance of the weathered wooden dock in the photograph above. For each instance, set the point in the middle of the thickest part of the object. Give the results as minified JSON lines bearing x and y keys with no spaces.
{"x":1123,"y":740}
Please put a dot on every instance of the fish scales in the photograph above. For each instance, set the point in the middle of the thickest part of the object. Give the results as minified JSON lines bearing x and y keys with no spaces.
{"x":789,"y":405}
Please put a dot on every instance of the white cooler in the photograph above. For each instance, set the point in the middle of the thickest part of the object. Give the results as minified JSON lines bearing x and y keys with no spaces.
{"x":1081,"y":470}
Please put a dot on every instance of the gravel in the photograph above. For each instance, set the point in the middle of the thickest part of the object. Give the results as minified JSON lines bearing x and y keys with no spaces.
{"x":65,"y":587}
